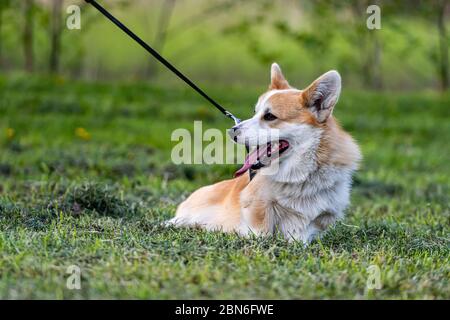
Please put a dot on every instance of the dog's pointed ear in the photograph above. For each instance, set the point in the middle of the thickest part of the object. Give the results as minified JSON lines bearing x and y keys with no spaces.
{"x":277,"y":80}
{"x":322,"y":95}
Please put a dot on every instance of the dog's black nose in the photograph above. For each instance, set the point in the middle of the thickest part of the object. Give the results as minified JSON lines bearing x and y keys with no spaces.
{"x":234,"y":132}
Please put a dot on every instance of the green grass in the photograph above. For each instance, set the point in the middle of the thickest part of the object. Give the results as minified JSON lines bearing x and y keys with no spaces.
{"x":97,"y":203}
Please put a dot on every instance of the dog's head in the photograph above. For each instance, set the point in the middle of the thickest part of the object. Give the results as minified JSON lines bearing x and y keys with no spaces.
{"x":287,"y":121}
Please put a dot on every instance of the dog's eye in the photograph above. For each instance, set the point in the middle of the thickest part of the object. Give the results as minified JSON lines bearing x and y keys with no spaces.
{"x":269,"y":117}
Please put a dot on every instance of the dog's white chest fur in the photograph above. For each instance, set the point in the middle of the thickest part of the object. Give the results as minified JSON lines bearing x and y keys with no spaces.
{"x":298,"y":210}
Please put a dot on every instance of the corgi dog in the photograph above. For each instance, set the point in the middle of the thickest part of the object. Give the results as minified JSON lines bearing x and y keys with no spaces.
{"x":313,"y":157}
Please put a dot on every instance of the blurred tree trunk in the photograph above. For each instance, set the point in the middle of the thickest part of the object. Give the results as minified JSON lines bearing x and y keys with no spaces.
{"x":27,"y":35}
{"x":1,"y":29}
{"x":55,"y":41}
{"x":377,"y":51}
{"x":370,"y":49}
{"x":443,"y":47}
{"x":161,"y":35}
{"x":377,"y":79}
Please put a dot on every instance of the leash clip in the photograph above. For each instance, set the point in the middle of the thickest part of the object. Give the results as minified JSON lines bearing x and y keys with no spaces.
{"x":230,"y":115}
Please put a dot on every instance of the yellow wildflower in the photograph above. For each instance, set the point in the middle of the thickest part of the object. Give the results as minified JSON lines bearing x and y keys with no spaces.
{"x":82,"y":133}
{"x":10,"y":133}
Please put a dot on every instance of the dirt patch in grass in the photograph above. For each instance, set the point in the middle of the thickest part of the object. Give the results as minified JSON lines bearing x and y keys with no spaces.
{"x":89,"y":197}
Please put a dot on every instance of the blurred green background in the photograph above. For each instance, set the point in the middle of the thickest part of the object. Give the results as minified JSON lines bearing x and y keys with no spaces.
{"x":233,"y":42}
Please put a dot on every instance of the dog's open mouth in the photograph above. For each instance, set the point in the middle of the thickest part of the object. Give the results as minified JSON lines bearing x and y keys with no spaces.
{"x":262,"y":155}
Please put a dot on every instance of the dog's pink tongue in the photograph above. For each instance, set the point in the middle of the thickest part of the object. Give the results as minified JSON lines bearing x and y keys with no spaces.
{"x":251,"y":159}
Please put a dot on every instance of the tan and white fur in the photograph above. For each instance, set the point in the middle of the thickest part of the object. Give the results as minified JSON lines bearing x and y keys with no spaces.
{"x":311,"y":188}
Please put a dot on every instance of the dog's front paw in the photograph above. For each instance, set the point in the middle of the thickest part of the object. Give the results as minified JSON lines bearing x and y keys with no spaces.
{"x":174,"y":222}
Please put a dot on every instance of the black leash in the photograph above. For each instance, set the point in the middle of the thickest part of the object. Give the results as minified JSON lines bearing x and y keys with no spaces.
{"x":168,"y":65}
{"x":161,"y":59}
